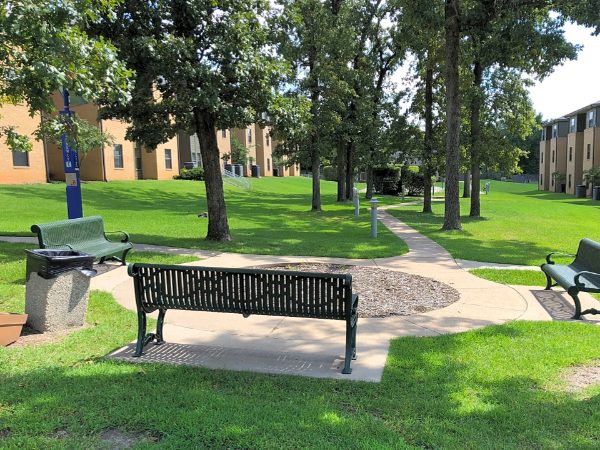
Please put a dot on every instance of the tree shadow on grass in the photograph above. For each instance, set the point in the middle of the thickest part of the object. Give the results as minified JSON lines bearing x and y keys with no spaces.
{"x":462,"y":391}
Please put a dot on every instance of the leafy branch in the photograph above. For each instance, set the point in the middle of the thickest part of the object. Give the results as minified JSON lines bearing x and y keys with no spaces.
{"x":85,"y":137}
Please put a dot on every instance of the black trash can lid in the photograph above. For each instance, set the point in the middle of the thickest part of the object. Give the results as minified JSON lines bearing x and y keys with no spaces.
{"x":57,"y":254}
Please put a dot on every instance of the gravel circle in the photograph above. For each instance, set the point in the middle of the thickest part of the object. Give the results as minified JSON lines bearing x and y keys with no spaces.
{"x":384,"y":293}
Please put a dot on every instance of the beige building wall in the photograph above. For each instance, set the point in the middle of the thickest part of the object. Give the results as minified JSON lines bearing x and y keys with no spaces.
{"x":574,"y":161}
{"x":264,"y":151}
{"x":224,"y":143}
{"x":558,"y":161}
{"x":35,"y":170}
{"x":543,"y":181}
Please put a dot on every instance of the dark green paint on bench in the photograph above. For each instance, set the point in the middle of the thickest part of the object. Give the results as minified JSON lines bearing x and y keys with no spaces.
{"x":85,"y":235}
{"x":243,"y":291}
{"x":582,"y":275}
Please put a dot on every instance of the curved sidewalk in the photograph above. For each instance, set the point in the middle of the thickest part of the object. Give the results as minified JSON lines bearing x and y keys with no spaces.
{"x":315,"y":347}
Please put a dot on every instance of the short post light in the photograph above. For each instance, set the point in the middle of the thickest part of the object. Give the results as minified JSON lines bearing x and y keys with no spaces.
{"x":374,"y":217}
{"x":356,"y":202}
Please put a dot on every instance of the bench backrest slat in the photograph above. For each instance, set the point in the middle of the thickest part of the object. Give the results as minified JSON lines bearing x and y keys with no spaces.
{"x":588,"y":256}
{"x":76,"y":232}
{"x":262,"y":292}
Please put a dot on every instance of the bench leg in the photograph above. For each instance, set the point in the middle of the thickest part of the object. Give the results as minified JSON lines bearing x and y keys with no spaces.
{"x":549,"y":283}
{"x":124,"y":257}
{"x":143,"y":338}
{"x":102,"y":260}
{"x":159,"y":327}
{"x":350,"y":346}
{"x":577,"y":306}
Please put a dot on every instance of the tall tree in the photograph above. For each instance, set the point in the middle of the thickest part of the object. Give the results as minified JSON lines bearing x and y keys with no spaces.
{"x":44,"y":48}
{"x":200,"y":66}
{"x":452,"y":203}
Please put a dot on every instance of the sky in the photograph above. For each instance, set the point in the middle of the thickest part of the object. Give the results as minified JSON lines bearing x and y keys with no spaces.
{"x":573,"y":85}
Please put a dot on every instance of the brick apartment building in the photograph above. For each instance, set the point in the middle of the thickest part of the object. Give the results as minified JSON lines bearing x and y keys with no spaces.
{"x":125,"y":160}
{"x":570,"y":145}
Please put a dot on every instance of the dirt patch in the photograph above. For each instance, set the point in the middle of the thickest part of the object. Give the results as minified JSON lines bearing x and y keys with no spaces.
{"x":106,"y":267}
{"x":580,"y":377}
{"x":385,"y":293}
{"x":120,"y":439}
{"x":29,"y":336}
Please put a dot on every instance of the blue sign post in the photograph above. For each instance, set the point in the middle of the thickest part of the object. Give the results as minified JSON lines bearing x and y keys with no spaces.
{"x":71,"y":163}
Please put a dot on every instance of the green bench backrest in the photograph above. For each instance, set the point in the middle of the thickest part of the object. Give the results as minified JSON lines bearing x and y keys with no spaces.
{"x":244,"y":291}
{"x":75,"y":232}
{"x":588,"y":256}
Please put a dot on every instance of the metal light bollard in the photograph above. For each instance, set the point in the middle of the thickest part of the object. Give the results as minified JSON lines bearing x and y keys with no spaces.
{"x":374,"y":217}
{"x":356,"y":202}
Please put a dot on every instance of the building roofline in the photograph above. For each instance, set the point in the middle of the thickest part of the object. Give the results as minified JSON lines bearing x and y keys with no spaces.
{"x":585,"y":108}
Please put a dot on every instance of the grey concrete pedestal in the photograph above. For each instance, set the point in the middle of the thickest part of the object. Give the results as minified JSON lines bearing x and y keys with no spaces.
{"x":58,"y":303}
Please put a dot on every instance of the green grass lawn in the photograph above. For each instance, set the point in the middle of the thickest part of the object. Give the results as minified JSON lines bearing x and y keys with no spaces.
{"x":519,"y":224}
{"x":159,"y":258}
{"x":497,"y":387}
{"x":273,"y":219}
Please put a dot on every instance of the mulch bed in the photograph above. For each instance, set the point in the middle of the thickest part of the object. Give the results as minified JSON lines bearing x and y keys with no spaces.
{"x":384,"y":293}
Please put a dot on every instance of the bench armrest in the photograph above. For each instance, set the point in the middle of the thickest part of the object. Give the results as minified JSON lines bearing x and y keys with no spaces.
{"x":549,"y":261}
{"x":125,"y":239}
{"x":585,"y":272}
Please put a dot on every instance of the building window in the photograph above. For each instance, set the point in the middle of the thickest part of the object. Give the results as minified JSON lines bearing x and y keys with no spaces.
{"x":569,"y":181}
{"x":552,"y":155}
{"x":249,"y":135}
{"x":20,"y":159}
{"x":118,"y":152}
{"x":591,"y":122}
{"x":542,"y":157}
{"x":570,"y":153}
{"x":224,"y":134}
{"x":555,"y":130}
{"x":541,"y":179}
{"x":573,"y":128}
{"x":268,"y":164}
{"x":267,"y":140}
{"x":286,"y":168}
{"x":589,"y":151}
{"x":297,"y":168}
{"x":552,"y":181}
{"x":168,"y":162}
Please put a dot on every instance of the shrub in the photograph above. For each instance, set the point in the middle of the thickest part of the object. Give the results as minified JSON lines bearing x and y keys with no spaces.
{"x":330,"y":173}
{"x":413,"y":181}
{"x":196,"y":174}
{"x":385,"y":180}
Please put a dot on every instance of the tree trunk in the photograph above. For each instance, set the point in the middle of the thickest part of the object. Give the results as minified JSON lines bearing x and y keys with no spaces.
{"x":476,"y":141}
{"x":467,"y":184}
{"x":315,"y":151}
{"x":452,"y":203}
{"x":341,"y":171}
{"x":316,"y":180}
{"x":369,"y":193}
{"x":218,"y":227}
{"x":350,"y":169}
{"x":427,"y":151}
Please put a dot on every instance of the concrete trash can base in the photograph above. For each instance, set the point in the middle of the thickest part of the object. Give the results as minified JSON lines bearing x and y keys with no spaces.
{"x":57,"y":303}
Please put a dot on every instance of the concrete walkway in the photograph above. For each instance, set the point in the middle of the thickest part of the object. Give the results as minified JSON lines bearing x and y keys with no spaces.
{"x":315,"y":347}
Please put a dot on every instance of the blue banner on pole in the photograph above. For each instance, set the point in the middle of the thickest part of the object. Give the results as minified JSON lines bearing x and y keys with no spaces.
{"x":71,"y":165}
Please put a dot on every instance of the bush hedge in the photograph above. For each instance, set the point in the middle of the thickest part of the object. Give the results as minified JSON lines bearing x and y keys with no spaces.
{"x":385,"y":180}
{"x":196,"y":174}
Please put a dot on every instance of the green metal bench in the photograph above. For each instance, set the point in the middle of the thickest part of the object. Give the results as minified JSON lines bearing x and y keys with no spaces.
{"x":85,"y":235}
{"x":582,"y":275}
{"x":243,"y":291}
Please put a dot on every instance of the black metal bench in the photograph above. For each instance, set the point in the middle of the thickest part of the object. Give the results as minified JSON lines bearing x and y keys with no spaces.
{"x":85,"y":235}
{"x":582,"y":275}
{"x":243,"y":291}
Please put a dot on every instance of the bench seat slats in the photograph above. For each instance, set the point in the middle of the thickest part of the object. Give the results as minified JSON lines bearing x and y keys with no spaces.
{"x":85,"y":234}
{"x":587,"y":260}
